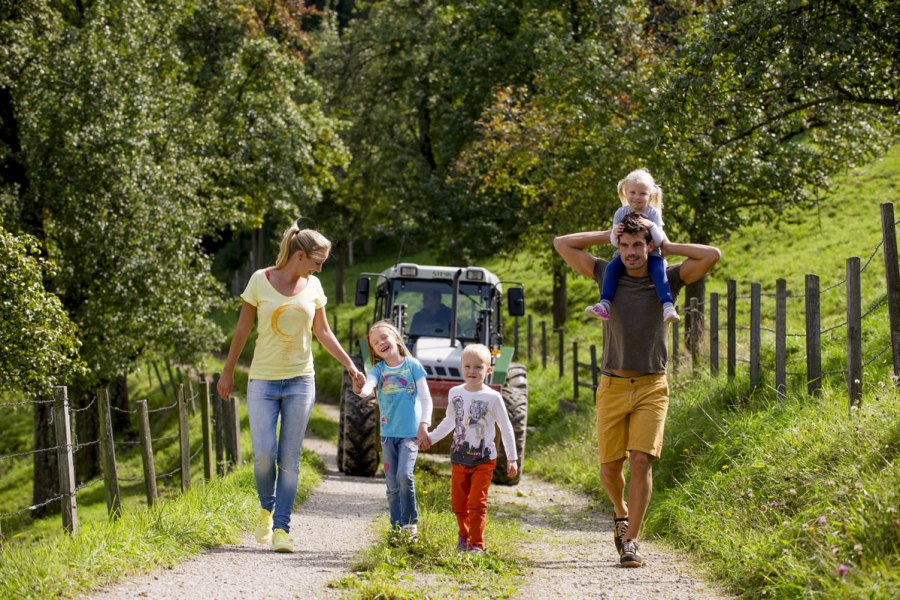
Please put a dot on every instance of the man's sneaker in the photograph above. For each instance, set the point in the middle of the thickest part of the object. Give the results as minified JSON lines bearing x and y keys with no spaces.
{"x":281,"y":541}
{"x":263,"y":530}
{"x":670,"y":315}
{"x":630,"y":556}
{"x":597,"y":311}
{"x":462,"y":544}
{"x":620,"y":528}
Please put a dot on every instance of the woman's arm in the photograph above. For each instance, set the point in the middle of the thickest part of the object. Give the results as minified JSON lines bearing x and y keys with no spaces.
{"x":241,"y":333}
{"x":573,"y":249}
{"x":329,"y":341}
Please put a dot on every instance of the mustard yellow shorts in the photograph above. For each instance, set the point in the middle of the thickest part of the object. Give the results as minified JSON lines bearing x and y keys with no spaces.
{"x":631,"y":415}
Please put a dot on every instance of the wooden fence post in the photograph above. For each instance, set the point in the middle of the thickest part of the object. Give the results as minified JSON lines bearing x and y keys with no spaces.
{"x":219,"y":426}
{"x":714,"y":334}
{"x":575,"y":394}
{"x":732,"y":327}
{"x":755,"y":310}
{"x":530,"y":337}
{"x":781,"y":338}
{"x":147,"y":454}
{"x":813,"y":336}
{"x":854,"y":332}
{"x":695,"y":334}
{"x":544,"y":345}
{"x":184,"y":439}
{"x":889,"y":236}
{"x":209,"y":459}
{"x":562,"y":352}
{"x":675,"y":348}
{"x":516,"y":337}
{"x":108,"y":450}
{"x":64,"y":458}
{"x":594,"y":370}
{"x":235,"y":426}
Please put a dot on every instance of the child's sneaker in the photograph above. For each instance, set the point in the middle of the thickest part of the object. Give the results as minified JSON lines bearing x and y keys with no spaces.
{"x":410,"y":533}
{"x":670,"y":315}
{"x":475,"y":550}
{"x":263,"y":530}
{"x":462,"y":544}
{"x":598,"y":311}
{"x":281,"y":541}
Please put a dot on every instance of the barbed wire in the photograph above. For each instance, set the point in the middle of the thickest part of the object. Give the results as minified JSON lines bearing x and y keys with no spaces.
{"x":30,"y":452}
{"x":78,"y":410}
{"x":33,"y":506}
{"x":25,"y":403}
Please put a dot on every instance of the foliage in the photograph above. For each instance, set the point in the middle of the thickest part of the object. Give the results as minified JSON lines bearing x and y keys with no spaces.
{"x":38,"y":342}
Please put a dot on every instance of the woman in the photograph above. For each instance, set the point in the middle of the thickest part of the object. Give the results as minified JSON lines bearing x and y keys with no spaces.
{"x":290,"y":305}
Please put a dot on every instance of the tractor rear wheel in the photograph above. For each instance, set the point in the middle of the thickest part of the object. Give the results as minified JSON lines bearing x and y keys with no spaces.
{"x":357,"y":431}
{"x":515,"y":397}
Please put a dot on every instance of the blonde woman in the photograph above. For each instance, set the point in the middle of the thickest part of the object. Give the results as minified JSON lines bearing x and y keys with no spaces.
{"x":288,"y":303}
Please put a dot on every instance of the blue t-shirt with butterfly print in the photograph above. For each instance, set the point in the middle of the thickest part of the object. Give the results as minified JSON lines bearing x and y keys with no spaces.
{"x":398,"y":398}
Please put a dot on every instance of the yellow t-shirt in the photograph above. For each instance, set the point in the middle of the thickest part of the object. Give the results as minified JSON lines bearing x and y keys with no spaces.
{"x":284,"y":328}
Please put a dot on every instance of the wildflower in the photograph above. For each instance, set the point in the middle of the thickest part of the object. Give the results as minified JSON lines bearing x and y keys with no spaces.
{"x":811,"y":529}
{"x":842,"y":570}
{"x":822,"y":520}
{"x":858,"y":548}
{"x":792,"y":492}
{"x":725,"y":467}
{"x":774,"y":503}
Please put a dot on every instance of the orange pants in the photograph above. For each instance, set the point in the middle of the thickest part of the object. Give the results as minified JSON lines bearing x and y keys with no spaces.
{"x":468,"y":497}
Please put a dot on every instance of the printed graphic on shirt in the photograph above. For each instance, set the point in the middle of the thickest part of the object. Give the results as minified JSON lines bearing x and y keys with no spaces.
{"x":288,"y":331}
{"x":475,"y":427}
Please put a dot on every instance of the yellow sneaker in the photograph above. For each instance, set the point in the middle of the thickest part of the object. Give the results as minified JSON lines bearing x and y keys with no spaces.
{"x":281,"y":541}
{"x":263,"y":531}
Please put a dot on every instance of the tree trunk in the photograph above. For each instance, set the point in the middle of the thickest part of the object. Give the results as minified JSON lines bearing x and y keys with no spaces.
{"x":87,"y":430}
{"x":560,"y":308}
{"x":339,"y":274}
{"x":118,"y":398}
{"x":46,"y":471}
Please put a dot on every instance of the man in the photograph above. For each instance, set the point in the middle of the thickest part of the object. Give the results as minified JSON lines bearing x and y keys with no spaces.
{"x":433,"y":318}
{"x":633,"y":395}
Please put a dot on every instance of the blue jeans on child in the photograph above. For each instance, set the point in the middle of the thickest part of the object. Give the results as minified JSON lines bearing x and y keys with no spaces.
{"x":293,"y":400}
{"x":399,"y":462}
{"x":656,"y":265}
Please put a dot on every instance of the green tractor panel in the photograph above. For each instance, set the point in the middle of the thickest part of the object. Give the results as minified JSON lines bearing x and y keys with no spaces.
{"x":438,"y":310}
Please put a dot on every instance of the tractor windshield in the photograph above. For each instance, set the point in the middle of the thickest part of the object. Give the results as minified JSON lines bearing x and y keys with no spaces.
{"x":428,"y":307}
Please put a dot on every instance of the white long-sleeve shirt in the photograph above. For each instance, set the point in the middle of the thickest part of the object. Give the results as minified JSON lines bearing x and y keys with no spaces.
{"x":472,"y":417}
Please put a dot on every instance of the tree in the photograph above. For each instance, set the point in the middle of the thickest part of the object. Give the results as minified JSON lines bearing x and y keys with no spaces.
{"x":124,"y":143}
{"x":38,"y":342}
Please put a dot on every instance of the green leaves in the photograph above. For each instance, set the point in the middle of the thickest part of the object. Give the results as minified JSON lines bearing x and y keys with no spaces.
{"x":38,"y":343}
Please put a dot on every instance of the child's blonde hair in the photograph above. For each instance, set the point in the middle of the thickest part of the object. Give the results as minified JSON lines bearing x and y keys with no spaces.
{"x":392,"y":329}
{"x":294,"y":239}
{"x":642,"y":176}
{"x":479,"y":351}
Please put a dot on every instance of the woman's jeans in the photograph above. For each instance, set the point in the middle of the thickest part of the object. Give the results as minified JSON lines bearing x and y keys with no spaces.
{"x":656,"y":267}
{"x":399,"y":462}
{"x":293,"y":400}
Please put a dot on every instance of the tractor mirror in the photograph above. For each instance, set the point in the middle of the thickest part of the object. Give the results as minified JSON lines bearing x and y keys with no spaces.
{"x":362,"y":291}
{"x":515,"y":298}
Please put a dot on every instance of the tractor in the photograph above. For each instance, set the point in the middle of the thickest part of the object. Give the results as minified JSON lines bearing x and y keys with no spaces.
{"x":468,"y":311}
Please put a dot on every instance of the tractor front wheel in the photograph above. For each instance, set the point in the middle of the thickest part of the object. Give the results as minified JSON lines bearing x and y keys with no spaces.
{"x":357,"y":430}
{"x":515,"y":397}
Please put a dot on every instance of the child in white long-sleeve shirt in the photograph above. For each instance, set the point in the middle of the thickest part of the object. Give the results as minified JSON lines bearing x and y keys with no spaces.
{"x":473,"y":410}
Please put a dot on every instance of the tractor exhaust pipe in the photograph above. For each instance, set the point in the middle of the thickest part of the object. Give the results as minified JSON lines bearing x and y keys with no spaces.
{"x":454,"y":307}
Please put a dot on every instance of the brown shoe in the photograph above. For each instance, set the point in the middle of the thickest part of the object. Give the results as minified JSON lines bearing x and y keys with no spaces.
{"x":630,"y":556}
{"x":620,"y":527}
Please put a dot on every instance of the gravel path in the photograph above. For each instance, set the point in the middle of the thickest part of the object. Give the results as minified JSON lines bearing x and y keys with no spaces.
{"x":333,"y":524}
{"x":568,"y":540}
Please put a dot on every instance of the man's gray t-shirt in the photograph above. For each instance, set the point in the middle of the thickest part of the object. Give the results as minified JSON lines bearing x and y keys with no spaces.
{"x":635,"y":338}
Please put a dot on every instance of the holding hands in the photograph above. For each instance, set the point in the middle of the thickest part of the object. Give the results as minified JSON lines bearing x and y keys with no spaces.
{"x":422,"y":437}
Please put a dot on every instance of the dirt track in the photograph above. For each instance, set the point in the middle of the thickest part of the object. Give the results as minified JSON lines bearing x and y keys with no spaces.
{"x":569,"y":543}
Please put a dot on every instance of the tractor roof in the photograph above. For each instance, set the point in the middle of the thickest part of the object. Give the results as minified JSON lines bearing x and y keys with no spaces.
{"x":430,"y":272}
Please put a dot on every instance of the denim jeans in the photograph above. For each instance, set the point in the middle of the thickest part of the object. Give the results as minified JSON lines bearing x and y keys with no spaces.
{"x":399,"y":462}
{"x":656,"y":268}
{"x":293,"y":400}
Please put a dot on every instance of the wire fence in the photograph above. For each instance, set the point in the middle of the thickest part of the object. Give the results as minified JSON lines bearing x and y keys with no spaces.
{"x":219,"y":424}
